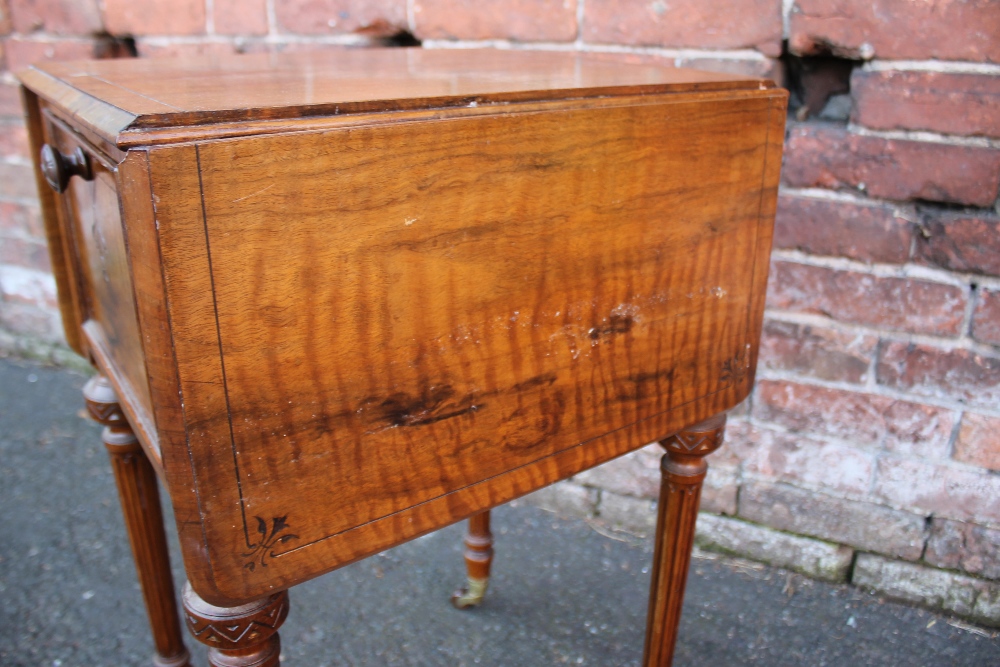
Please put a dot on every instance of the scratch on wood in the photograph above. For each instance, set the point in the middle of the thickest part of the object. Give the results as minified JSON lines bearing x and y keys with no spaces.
{"x":254,"y":194}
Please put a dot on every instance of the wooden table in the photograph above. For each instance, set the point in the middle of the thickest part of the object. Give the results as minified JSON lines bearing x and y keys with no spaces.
{"x":338,"y":301}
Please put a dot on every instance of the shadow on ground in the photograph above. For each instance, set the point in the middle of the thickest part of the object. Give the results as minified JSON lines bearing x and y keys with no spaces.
{"x":562,"y":593}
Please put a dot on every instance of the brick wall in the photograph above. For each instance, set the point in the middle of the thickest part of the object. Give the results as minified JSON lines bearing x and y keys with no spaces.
{"x":870,"y":448}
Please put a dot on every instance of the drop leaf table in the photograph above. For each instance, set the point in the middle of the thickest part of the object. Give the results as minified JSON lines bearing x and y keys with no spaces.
{"x":337,"y":301}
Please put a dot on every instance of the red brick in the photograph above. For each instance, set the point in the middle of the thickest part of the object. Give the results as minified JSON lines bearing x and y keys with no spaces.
{"x":897,"y":29}
{"x":796,"y":458}
{"x":318,"y":17}
{"x":958,"y":242}
{"x":240,"y":17}
{"x":818,"y":155}
{"x":14,"y":141}
{"x":62,"y":17}
{"x":523,"y":20}
{"x":17,"y":181}
{"x":920,"y":430}
{"x":708,"y":24}
{"x":940,"y":489}
{"x":986,"y":317}
{"x":5,"y":24}
{"x":866,"y":232}
{"x":730,"y":456}
{"x":964,"y":104}
{"x":905,"y":304}
{"x":964,"y":546}
{"x":931,"y":371}
{"x":155,"y":17}
{"x":10,"y":100}
{"x":816,"y":352}
{"x":31,"y":254}
{"x":741,"y":409}
{"x":29,"y":287}
{"x":31,"y":321}
{"x":149,"y":49}
{"x":636,"y":474}
{"x":22,"y":52}
{"x":22,"y":220}
{"x":978,"y":441}
{"x":860,"y":524}
{"x":720,"y":490}
{"x":863,"y":419}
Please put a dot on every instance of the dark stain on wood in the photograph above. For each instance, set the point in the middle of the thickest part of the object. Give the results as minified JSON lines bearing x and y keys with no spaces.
{"x":547,"y":422}
{"x":436,"y":404}
{"x":543,"y":380}
{"x":616,"y":324}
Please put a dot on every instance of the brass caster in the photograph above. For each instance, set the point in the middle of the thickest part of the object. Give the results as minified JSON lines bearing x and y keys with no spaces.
{"x":470,"y":596}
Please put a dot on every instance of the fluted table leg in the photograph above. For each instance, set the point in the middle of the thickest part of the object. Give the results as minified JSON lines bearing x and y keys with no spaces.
{"x":683,"y":469}
{"x":140,"y":501}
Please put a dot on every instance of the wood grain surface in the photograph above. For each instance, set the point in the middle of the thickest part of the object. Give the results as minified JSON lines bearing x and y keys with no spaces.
{"x":91,"y":216}
{"x":60,"y":246}
{"x":185,"y":91}
{"x":410,"y":311}
{"x":121,"y":100}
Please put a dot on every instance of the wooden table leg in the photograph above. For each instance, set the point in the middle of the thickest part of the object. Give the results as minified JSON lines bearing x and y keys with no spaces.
{"x":243,"y":636}
{"x":140,"y":501}
{"x":478,"y":558}
{"x":683,"y":468}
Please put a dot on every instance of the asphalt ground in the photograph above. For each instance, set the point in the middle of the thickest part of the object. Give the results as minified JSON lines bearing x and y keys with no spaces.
{"x":564,"y":592}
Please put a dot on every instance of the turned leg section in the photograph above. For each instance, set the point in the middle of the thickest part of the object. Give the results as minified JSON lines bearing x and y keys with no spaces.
{"x":140,"y":501}
{"x":683,"y":469}
{"x":243,"y":636}
{"x":478,"y":558}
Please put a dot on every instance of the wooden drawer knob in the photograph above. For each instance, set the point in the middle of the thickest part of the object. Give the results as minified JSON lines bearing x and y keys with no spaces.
{"x":58,"y":167}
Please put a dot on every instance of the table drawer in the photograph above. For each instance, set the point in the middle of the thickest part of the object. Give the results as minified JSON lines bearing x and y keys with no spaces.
{"x":89,"y":212}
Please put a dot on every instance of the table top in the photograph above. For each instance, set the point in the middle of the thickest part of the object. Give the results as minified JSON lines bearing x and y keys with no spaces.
{"x":136,"y":93}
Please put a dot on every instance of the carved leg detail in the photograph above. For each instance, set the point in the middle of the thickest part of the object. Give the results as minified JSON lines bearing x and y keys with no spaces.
{"x":683,"y":469}
{"x":140,"y":501}
{"x":243,"y":636}
{"x":478,"y":558}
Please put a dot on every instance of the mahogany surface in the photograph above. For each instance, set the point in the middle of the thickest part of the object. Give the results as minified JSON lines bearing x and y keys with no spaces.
{"x":347,"y":299}
{"x":124,"y":102}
